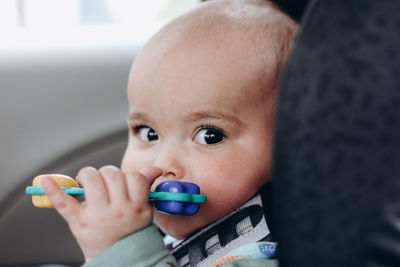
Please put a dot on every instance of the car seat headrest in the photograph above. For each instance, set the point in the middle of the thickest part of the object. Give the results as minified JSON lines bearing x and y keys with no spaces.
{"x":336,"y":171}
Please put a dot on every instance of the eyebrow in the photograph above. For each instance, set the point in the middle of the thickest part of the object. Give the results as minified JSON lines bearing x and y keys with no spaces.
{"x":138,"y":116}
{"x":213,"y":115}
{"x":192,"y":116}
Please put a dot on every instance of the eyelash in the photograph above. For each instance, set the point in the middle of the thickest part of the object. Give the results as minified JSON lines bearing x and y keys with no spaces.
{"x":135,"y":128}
{"x":208,"y":126}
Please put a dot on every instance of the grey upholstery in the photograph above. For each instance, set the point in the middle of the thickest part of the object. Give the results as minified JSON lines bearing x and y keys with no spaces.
{"x":336,"y":166}
{"x":35,"y":236}
{"x":62,"y":108}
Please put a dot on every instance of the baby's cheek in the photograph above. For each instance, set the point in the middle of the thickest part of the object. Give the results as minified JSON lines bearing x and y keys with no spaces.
{"x":223,"y":195}
{"x":134,"y":160}
{"x":228,"y":186}
{"x":224,"y":167}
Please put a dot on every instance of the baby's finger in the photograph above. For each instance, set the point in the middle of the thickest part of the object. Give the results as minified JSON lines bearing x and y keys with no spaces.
{"x":95,"y":189}
{"x":151,"y":173}
{"x":66,"y":205}
{"x":139,"y":183}
{"x":116,"y":184}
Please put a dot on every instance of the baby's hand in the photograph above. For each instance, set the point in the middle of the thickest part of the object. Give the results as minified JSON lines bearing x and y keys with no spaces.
{"x":116,"y":205}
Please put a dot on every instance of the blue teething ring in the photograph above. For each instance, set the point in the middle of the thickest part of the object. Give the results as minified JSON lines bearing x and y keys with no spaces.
{"x":178,"y":207}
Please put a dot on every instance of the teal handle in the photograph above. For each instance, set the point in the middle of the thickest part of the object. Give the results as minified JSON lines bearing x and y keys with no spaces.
{"x":38,"y":190}
{"x":153,"y":196}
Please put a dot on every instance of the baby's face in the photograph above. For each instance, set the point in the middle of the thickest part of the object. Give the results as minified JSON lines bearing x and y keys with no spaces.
{"x":201,"y":116}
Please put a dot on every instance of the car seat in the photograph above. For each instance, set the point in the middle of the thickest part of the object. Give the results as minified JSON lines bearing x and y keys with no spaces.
{"x":336,"y":170}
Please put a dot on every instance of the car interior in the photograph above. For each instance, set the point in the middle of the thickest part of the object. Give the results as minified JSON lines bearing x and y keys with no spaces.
{"x":63,"y":108}
{"x":336,"y":149}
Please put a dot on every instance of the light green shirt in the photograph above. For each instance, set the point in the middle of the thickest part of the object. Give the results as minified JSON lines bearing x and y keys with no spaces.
{"x":146,"y":248}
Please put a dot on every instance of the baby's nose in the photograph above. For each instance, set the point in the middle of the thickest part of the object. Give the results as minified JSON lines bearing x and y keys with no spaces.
{"x":171,"y":163}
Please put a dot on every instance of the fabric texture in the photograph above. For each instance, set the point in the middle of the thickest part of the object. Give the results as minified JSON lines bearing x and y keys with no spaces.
{"x":336,"y":171}
{"x":245,"y":225}
{"x":146,"y":248}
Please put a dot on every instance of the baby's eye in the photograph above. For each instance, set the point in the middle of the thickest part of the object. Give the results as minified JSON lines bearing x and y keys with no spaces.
{"x":209,"y":136}
{"x":146,"y":134}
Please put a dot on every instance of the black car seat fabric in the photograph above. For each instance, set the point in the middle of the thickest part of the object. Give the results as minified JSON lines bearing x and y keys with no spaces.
{"x":294,"y":8}
{"x":336,"y":170}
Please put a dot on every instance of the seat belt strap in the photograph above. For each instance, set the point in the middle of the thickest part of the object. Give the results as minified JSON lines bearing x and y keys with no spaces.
{"x":246,"y":225}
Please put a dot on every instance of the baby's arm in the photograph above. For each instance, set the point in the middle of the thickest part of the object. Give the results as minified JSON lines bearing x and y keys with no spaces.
{"x":143,"y":248}
{"x":116,"y":205}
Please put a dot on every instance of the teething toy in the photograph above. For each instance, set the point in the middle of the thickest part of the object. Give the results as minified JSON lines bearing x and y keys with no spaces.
{"x":177,"y":207}
{"x":171,"y":197}
{"x":41,"y":200}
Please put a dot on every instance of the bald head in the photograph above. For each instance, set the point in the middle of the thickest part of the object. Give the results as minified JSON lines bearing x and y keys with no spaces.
{"x":254,"y":31}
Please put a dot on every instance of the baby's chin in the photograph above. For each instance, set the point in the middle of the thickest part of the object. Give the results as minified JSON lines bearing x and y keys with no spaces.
{"x":178,"y":226}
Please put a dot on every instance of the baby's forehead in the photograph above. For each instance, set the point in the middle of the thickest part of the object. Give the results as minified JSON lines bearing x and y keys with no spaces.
{"x":248,"y":25}
{"x":211,"y":85}
{"x":220,"y":44}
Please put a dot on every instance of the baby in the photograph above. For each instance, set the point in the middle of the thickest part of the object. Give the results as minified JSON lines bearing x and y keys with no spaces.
{"x":202,"y":94}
